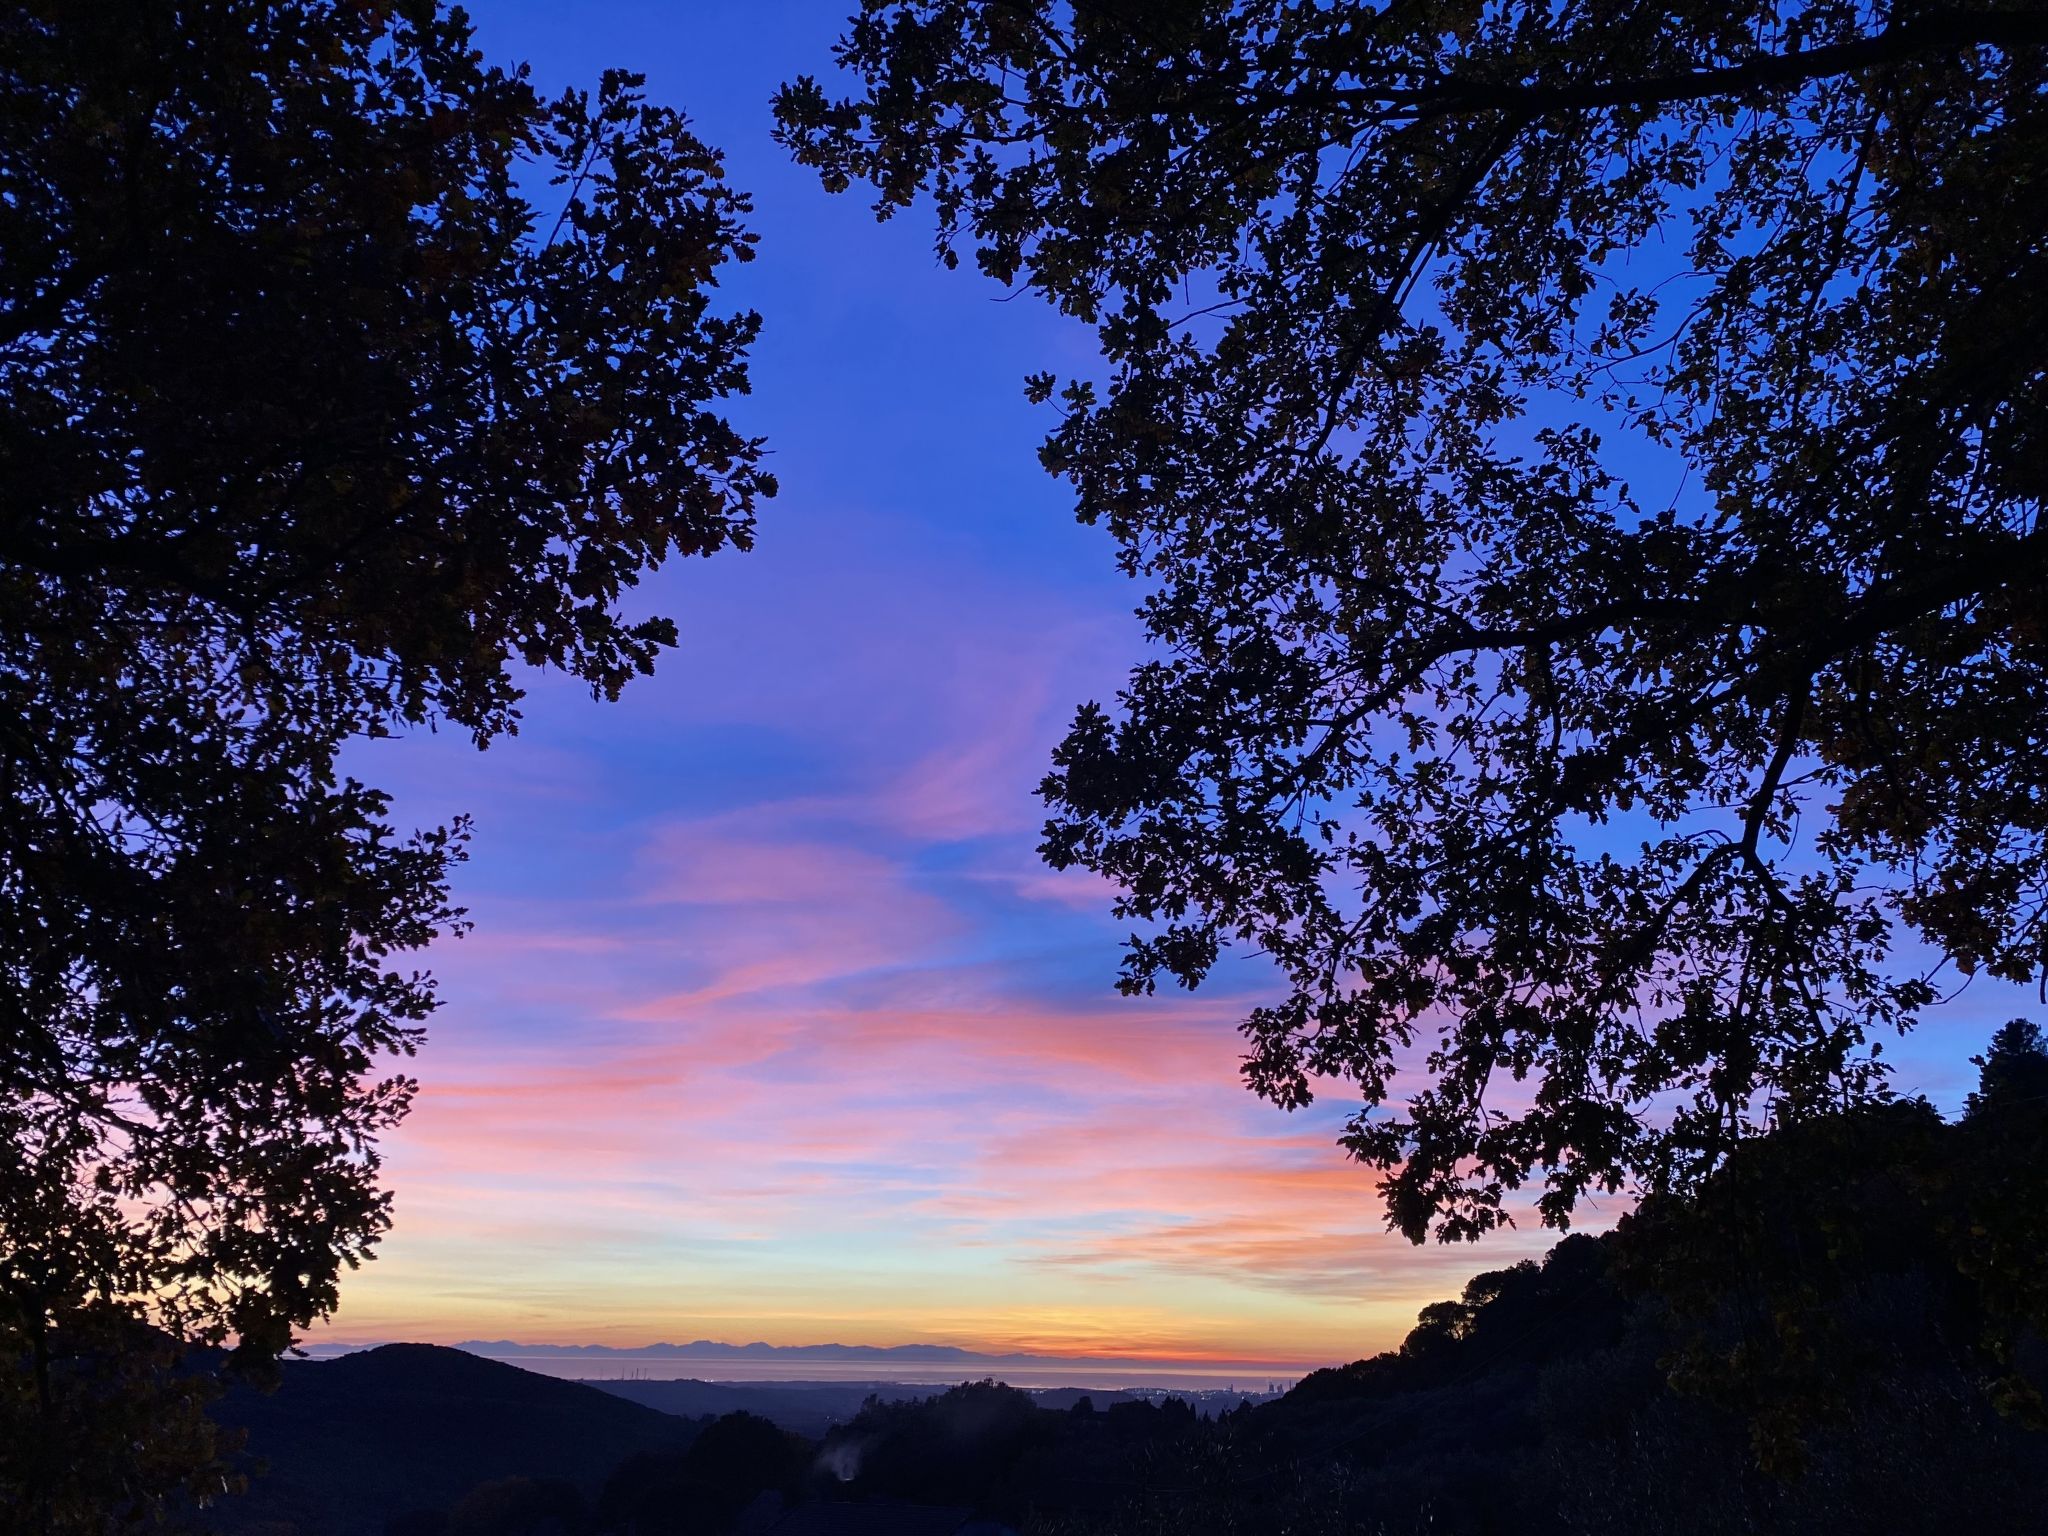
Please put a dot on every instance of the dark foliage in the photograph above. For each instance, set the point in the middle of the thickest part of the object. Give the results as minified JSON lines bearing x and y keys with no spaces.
{"x":1883,"y":1207}
{"x":113,"y":1413}
{"x":512,"y":1506}
{"x":1585,"y":462}
{"x":340,"y":375}
{"x":1529,"y":1314}
{"x":2013,"y":1071}
{"x":731,"y":1464}
{"x":519,"y":1506}
{"x":964,"y":1447}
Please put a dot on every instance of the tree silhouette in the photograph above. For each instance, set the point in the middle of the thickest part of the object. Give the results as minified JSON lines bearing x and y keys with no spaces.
{"x":1816,"y":1258}
{"x":703,"y":1489}
{"x":1585,"y":462}
{"x":2012,"y":1074}
{"x":342,"y":375}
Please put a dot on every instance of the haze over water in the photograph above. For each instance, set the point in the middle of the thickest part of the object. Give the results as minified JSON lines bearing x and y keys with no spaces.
{"x":1103,"y":1375}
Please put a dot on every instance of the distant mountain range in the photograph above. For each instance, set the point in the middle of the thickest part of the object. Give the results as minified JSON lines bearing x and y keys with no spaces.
{"x":707,"y":1349}
{"x":710,"y":1349}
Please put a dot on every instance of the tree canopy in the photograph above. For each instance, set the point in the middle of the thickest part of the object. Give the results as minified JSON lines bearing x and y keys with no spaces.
{"x":341,"y":375}
{"x":2013,"y":1072}
{"x":1584,"y":464}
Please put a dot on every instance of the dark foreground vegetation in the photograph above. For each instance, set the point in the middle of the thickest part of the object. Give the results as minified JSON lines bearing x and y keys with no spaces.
{"x":1844,"y":1331}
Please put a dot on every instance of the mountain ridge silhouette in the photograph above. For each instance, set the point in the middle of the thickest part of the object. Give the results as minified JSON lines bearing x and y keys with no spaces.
{"x":345,"y":1445}
{"x":511,"y":1349}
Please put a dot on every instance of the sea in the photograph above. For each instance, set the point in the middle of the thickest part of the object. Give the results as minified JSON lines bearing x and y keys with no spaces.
{"x":1093,"y":1375}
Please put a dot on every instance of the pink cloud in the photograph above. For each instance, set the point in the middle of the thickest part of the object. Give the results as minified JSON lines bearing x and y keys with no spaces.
{"x":734,"y":860}
{"x":1081,"y":889}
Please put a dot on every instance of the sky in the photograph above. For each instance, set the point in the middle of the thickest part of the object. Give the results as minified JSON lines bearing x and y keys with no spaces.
{"x":771,"y":1025}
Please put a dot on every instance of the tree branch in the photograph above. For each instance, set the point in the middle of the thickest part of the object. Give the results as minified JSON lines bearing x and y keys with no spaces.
{"x":1950,"y":33}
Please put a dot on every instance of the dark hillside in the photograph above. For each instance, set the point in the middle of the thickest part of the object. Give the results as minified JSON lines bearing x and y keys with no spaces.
{"x":810,"y":1409}
{"x":1843,"y":1330}
{"x":814,"y":1408}
{"x":352,"y":1443}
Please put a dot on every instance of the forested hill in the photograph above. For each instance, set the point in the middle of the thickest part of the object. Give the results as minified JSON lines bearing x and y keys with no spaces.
{"x":345,"y":1447}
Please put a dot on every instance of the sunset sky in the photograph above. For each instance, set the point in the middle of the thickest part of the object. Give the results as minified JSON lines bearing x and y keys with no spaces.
{"x":772,"y":1026}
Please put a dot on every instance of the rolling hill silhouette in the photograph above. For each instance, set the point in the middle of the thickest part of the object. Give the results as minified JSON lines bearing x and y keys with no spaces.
{"x":353,"y":1442}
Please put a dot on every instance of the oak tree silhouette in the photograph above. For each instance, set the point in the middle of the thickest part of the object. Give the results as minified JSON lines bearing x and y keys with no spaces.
{"x":1585,"y":464}
{"x":341,"y":374}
